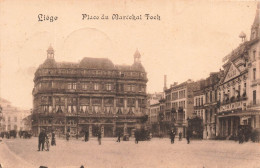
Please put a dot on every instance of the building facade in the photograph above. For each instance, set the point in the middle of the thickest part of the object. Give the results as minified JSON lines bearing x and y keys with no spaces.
{"x":239,"y":89}
{"x":93,"y":95}
{"x":12,"y":117}
{"x":179,"y":101}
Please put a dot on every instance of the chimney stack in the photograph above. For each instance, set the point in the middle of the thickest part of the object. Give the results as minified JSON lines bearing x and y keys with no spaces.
{"x":165,"y":82}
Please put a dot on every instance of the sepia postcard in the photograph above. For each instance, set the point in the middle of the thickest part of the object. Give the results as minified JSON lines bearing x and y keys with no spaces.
{"x":130,"y":84}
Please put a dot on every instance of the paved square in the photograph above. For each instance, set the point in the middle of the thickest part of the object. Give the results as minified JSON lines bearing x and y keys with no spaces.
{"x":157,"y":153}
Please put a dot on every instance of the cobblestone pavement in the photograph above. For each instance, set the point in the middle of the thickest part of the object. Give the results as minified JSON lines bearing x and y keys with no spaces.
{"x":157,"y":153}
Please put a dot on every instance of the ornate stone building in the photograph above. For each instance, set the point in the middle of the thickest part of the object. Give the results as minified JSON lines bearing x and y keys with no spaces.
{"x":92,"y":95}
{"x":239,"y":89}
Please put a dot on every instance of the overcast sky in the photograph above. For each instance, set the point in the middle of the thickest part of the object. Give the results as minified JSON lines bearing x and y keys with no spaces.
{"x":188,"y":42}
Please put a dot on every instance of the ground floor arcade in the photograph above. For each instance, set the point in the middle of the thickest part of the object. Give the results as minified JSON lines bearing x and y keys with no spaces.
{"x":229,"y":125}
{"x":108,"y":126}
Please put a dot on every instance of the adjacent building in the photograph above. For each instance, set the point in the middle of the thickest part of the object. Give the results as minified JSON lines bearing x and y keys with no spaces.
{"x":179,"y":104}
{"x":239,"y":89}
{"x":93,"y":95}
{"x":12,"y":117}
{"x":154,"y":111}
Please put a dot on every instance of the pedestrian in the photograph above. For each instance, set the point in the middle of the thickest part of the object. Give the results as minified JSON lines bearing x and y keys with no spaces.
{"x":136,"y":136}
{"x":86,"y":136}
{"x":41,"y":142}
{"x":189,"y":133}
{"x":67,"y":136}
{"x":180,"y":136}
{"x":172,"y":136}
{"x":53,"y":140}
{"x":99,"y":137}
{"x":118,"y":137}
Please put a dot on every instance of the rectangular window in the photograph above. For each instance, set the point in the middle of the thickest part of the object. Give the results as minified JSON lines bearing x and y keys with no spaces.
{"x":254,"y":53}
{"x":108,"y":86}
{"x":15,"y":119}
{"x":69,"y":86}
{"x":121,"y":87}
{"x":133,"y":88}
{"x":84,"y":86}
{"x":254,"y":97}
{"x":128,"y":88}
{"x":74,"y":86}
{"x":96,"y":86}
{"x":254,"y":74}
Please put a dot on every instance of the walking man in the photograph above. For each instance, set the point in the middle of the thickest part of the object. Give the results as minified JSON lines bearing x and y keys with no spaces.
{"x":136,"y":137}
{"x":172,"y":135}
{"x":41,"y":142}
{"x":53,"y":140}
{"x":86,"y":136}
{"x":99,"y":137}
{"x":118,"y":137}
{"x":189,"y":133}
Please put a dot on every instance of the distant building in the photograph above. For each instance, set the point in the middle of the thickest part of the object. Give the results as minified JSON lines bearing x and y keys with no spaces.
{"x":93,"y":95}
{"x":206,"y":103}
{"x":153,"y":106}
{"x":179,"y":104}
{"x":12,"y":117}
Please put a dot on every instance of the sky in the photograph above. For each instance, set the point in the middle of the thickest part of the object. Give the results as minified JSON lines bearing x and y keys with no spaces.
{"x":188,"y":42}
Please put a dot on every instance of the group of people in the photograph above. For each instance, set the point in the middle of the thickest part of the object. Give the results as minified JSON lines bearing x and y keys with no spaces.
{"x":173,"y":133}
{"x":44,"y":140}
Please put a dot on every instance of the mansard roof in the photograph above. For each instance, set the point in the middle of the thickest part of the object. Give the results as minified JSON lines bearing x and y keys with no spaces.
{"x":96,"y":63}
{"x":92,"y":63}
{"x":49,"y":63}
{"x":138,"y":67}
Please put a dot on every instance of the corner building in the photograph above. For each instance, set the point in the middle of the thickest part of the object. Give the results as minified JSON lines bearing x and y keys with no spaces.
{"x":239,"y":89}
{"x":92,"y":95}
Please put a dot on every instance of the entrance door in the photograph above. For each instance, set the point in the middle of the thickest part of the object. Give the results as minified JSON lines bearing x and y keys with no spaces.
{"x":95,"y":130}
{"x":108,"y":131}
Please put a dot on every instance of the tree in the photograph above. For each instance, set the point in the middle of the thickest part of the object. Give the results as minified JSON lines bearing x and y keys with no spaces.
{"x":195,"y":125}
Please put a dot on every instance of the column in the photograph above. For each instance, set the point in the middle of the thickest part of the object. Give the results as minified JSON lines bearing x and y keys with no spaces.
{"x":257,"y":118}
{"x":136,"y":105}
{"x":90,"y":108}
{"x":114,"y":111}
{"x":125,"y":105}
{"x":226,"y":131}
{"x":39,"y":129}
{"x":90,"y":130}
{"x":65,"y":126}
{"x":53,"y":104}
{"x":114,"y":129}
{"x":125,"y":128}
{"x":231,"y":125}
{"x":102,"y":105}
{"x":66,"y":105}
{"x":217,"y":126}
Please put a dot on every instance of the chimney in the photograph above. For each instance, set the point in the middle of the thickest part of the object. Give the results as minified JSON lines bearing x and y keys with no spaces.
{"x":165,"y":82}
